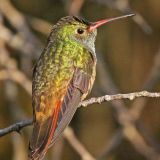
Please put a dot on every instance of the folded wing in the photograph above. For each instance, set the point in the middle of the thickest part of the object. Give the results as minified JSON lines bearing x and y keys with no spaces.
{"x":48,"y":128}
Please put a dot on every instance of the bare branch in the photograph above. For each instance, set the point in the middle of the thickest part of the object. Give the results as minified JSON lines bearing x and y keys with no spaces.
{"x":18,"y":126}
{"x":129,"y":96}
{"x":15,"y":127}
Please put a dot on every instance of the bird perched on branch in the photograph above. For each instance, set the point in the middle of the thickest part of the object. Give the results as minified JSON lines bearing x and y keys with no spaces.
{"x":63,"y":76}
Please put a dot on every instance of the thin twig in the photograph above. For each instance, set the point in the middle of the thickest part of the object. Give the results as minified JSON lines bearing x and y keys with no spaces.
{"x":18,"y":126}
{"x":15,"y":127}
{"x":130,"y":96}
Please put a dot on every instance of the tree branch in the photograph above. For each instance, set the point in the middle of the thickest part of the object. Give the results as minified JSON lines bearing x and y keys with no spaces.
{"x":130,"y":96}
{"x":15,"y":127}
{"x":19,"y":125}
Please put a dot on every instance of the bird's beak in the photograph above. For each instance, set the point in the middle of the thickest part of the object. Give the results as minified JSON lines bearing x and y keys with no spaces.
{"x":97,"y":24}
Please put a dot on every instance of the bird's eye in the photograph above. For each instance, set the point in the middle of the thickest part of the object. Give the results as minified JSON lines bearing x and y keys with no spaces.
{"x":80,"y":31}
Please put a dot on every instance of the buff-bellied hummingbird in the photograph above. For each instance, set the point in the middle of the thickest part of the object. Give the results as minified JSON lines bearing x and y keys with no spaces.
{"x":62,"y":77}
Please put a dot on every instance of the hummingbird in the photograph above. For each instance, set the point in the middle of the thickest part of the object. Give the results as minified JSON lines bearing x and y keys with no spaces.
{"x":62,"y":77}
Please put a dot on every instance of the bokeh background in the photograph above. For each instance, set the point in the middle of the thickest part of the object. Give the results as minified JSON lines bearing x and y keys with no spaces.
{"x":128,"y":54}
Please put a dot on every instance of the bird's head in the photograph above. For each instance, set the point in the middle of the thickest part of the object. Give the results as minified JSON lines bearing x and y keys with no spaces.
{"x":79,"y":30}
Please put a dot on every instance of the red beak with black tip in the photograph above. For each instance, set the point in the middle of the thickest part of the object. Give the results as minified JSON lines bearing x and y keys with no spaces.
{"x":97,"y":24}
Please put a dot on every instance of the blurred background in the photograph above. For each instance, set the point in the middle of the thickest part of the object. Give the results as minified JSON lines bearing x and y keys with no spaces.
{"x":128,"y":54}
